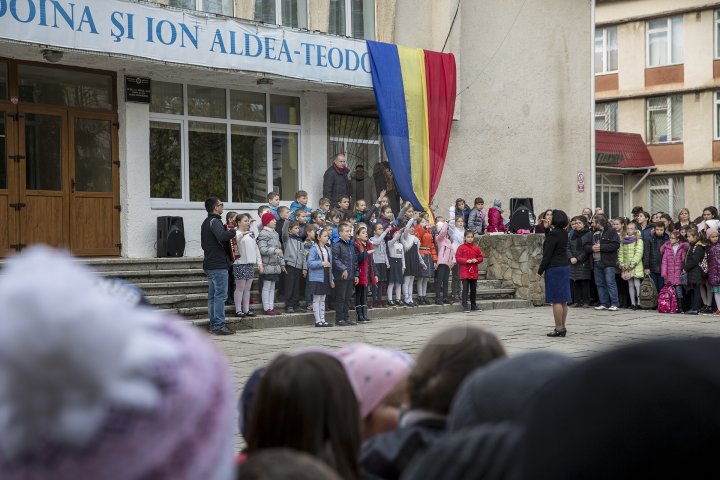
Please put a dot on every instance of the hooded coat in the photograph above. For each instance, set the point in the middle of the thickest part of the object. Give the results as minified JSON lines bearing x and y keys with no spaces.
{"x":495,"y":218}
{"x":672,"y":263}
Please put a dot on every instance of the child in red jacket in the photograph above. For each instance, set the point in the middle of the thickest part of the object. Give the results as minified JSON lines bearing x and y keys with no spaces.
{"x":468,"y":257}
{"x":366,"y":276}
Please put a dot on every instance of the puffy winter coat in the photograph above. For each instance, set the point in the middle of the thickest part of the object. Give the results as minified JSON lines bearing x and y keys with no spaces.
{"x":316,"y":271}
{"x":694,"y":256}
{"x":651,"y":255}
{"x":344,"y":259}
{"x":444,"y":246}
{"x":672,"y":263}
{"x":476,"y":221}
{"x":631,"y":255}
{"x":495,"y":221}
{"x":581,"y":270}
{"x":336,"y":184}
{"x":465,"y":252}
{"x":713,"y":253}
{"x":365,"y":264}
{"x":268,"y":241}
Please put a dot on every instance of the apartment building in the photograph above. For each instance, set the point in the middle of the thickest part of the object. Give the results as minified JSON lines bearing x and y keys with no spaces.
{"x":115,"y":113}
{"x":657,"y":75}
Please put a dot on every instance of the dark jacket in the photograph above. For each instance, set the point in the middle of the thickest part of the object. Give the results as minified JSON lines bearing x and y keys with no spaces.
{"x":652,"y":258}
{"x":362,"y":187}
{"x":213,"y":240}
{"x":387,"y":455}
{"x":335,"y":184}
{"x":695,"y":255}
{"x":575,"y":249}
{"x":713,"y":254}
{"x":554,"y":250}
{"x":609,"y":246}
{"x":344,"y":259}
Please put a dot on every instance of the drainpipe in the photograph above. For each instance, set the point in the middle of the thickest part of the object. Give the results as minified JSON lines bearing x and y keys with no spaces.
{"x":593,"y":153}
{"x":638,"y":184}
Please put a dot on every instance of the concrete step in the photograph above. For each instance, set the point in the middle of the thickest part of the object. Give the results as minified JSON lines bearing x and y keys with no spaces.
{"x":174,"y":288}
{"x":159,"y":276}
{"x":376,"y":314}
{"x":194,"y":304}
{"x":122,"y":264}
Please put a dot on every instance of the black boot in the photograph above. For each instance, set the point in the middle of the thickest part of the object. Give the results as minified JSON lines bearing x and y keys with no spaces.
{"x":365,"y":313}
{"x":359,"y":313}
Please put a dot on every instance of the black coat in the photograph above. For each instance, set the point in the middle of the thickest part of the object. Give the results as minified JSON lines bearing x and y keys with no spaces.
{"x":609,"y":246}
{"x":554,"y":250}
{"x":214,"y":242}
{"x":693,"y":258}
{"x":335,"y":185}
{"x":575,"y":249}
{"x":652,"y":259}
{"x":344,"y":259}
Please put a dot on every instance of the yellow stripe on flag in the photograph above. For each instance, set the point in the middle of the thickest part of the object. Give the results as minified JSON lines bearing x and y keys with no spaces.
{"x":412,"y":65}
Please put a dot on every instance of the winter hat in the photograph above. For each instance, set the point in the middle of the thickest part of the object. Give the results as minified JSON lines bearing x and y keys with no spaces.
{"x":644,"y":411}
{"x":710,"y":231}
{"x":266,"y":218}
{"x":501,"y":390}
{"x":373,"y":372}
{"x":497,"y":203}
{"x":94,"y":387}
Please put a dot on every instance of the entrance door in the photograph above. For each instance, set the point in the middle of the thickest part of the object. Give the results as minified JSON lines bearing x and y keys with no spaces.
{"x":8,"y":177}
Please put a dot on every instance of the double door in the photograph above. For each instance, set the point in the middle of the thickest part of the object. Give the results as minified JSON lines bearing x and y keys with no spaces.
{"x":59,"y":181}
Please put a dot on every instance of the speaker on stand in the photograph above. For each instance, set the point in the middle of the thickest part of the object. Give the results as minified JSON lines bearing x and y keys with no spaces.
{"x":170,"y":237}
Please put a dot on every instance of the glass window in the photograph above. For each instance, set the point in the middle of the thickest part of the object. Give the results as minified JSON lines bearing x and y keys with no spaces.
{"x":206,"y":101}
{"x":717,"y":189}
{"x":71,"y":88}
{"x":285,"y":154}
{"x":338,"y":18}
{"x":93,"y":155}
{"x":717,"y":33}
{"x":284,"y":109}
{"x":290,"y":13}
{"x":609,"y":194}
{"x":357,"y":137}
{"x":665,"y":41}
{"x":249,"y":163}
{"x":166,"y":98}
{"x":3,"y":151}
{"x":3,"y":81}
{"x":247,"y":106}
{"x":717,"y":115}
{"x":165,"y":160}
{"x":664,"y":119}
{"x":667,"y":194}
{"x":221,"y":7}
{"x":353,"y":18}
{"x":606,"y":50}
{"x":606,"y":116}
{"x":43,"y":151}
{"x":207,"y":150}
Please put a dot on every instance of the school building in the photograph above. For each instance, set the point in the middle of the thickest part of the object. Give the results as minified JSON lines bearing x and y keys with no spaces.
{"x":657,"y":76}
{"x":115,"y":113}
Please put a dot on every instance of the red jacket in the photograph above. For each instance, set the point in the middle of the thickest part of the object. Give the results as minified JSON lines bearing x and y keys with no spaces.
{"x":365,"y":264}
{"x":465,"y":252}
{"x":427,"y":244}
{"x":495,"y":221}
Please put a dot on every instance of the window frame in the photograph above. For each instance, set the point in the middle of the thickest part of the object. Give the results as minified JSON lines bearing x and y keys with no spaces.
{"x":349,"y":33}
{"x":670,"y":36}
{"x":670,"y":187}
{"x":606,"y":51}
{"x":717,"y":188}
{"x":609,"y":110}
{"x":199,"y":4}
{"x":184,"y":203}
{"x":716,"y":116}
{"x":278,"y":14}
{"x":605,"y":184}
{"x":668,"y":115}
{"x":716,"y":35}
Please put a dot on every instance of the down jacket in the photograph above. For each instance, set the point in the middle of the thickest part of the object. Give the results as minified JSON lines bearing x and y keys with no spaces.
{"x":444,"y":246}
{"x":672,"y":263}
{"x":651,"y":255}
{"x":631,"y":255}
{"x":465,"y":252}
{"x":713,"y":275}
{"x":268,"y":241}
{"x":316,"y":271}
{"x":344,"y":259}
{"x":495,"y":221}
{"x":694,"y":256}
{"x":581,"y":270}
{"x":476,"y":221}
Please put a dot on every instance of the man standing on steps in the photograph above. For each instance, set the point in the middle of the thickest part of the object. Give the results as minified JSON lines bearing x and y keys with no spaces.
{"x":214,"y":241}
{"x":335,"y":180}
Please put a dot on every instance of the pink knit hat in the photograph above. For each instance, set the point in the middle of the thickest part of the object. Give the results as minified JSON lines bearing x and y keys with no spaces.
{"x":373,"y":372}
{"x":710,"y":231}
{"x":94,"y":387}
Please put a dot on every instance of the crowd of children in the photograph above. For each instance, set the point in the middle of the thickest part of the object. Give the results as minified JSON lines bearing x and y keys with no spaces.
{"x":329,"y":256}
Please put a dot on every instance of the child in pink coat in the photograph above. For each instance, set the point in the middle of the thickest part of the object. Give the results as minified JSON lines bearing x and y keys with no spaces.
{"x":495,"y":219}
{"x":445,"y":261}
{"x":673,"y":258}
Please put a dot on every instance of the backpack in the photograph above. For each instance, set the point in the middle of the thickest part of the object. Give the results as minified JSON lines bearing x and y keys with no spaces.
{"x":648,"y":294}
{"x":667,"y":301}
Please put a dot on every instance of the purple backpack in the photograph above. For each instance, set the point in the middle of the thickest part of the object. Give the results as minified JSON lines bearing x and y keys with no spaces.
{"x":667,"y":301}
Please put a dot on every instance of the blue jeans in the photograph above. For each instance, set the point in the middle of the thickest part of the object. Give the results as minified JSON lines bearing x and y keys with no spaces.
{"x":217,"y":293}
{"x":607,"y":288}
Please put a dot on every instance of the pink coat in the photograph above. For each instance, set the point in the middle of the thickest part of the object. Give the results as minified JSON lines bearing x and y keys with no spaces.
{"x":671,"y":265}
{"x":444,"y":247}
{"x":495,"y":221}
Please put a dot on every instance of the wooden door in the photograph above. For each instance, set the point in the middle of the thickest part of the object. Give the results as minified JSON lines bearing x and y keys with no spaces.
{"x":94,"y":185}
{"x":43,"y":192}
{"x":9,"y":205}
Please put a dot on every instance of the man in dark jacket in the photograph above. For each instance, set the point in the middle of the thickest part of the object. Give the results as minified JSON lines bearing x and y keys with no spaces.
{"x":335,"y":181}
{"x":652,"y":259}
{"x":604,"y":245}
{"x":213,"y":239}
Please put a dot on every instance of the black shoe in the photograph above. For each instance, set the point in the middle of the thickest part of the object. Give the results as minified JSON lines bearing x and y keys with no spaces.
{"x":466,"y":309}
{"x":691,"y":312}
{"x":390,"y":303}
{"x":250,"y":314}
{"x":289,"y":310}
{"x":447,"y":301}
{"x":557,"y":333}
{"x":359,"y":314}
{"x":229,"y":302}
{"x":350,"y":322}
{"x":438,"y":302}
{"x":240,"y":314}
{"x":475,"y":308}
{"x":365,"y":314}
{"x":224,"y":330}
{"x":414,"y":304}
{"x":341,"y":323}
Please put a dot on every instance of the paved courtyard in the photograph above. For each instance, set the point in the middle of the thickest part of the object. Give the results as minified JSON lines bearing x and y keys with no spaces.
{"x":520,"y":330}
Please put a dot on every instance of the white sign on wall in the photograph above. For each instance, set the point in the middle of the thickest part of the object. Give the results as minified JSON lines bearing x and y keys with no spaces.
{"x":168,"y":35}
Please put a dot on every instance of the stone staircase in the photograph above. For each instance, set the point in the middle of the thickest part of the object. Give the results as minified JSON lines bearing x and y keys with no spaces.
{"x":179,"y":285}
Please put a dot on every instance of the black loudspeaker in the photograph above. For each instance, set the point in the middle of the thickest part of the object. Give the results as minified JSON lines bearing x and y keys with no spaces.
{"x":522,"y":219}
{"x":170,"y":237}
{"x":516,"y":203}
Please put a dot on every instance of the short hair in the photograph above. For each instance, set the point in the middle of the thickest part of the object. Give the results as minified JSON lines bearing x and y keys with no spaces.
{"x":300,"y":211}
{"x":335,"y":213}
{"x":637,"y":210}
{"x":210,"y":203}
{"x":343,"y":197}
{"x":315,"y":215}
{"x":300,"y":193}
{"x":311,"y":228}
{"x":601,"y":220}
{"x":661,"y":224}
{"x":283,"y":209}
{"x":272,"y":195}
{"x":479,"y":200}
{"x":262,"y":209}
{"x":324,"y":201}
{"x":445,"y":361}
{"x":292,"y":224}
{"x":559,"y":219}
{"x":468,"y":233}
{"x":582,"y":219}
{"x":344,"y":225}
{"x":230,"y":215}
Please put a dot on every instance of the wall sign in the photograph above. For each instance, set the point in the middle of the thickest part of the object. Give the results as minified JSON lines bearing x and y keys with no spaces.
{"x":137,"y":89}
{"x":580,"y":182}
{"x":151,"y":31}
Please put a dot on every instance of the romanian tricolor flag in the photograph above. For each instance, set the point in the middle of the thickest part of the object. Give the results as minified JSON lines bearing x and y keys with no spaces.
{"x":415,"y":98}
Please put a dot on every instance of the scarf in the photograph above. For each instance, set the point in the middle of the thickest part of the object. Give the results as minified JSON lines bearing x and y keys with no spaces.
{"x":344,"y":170}
{"x":629,"y":239}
